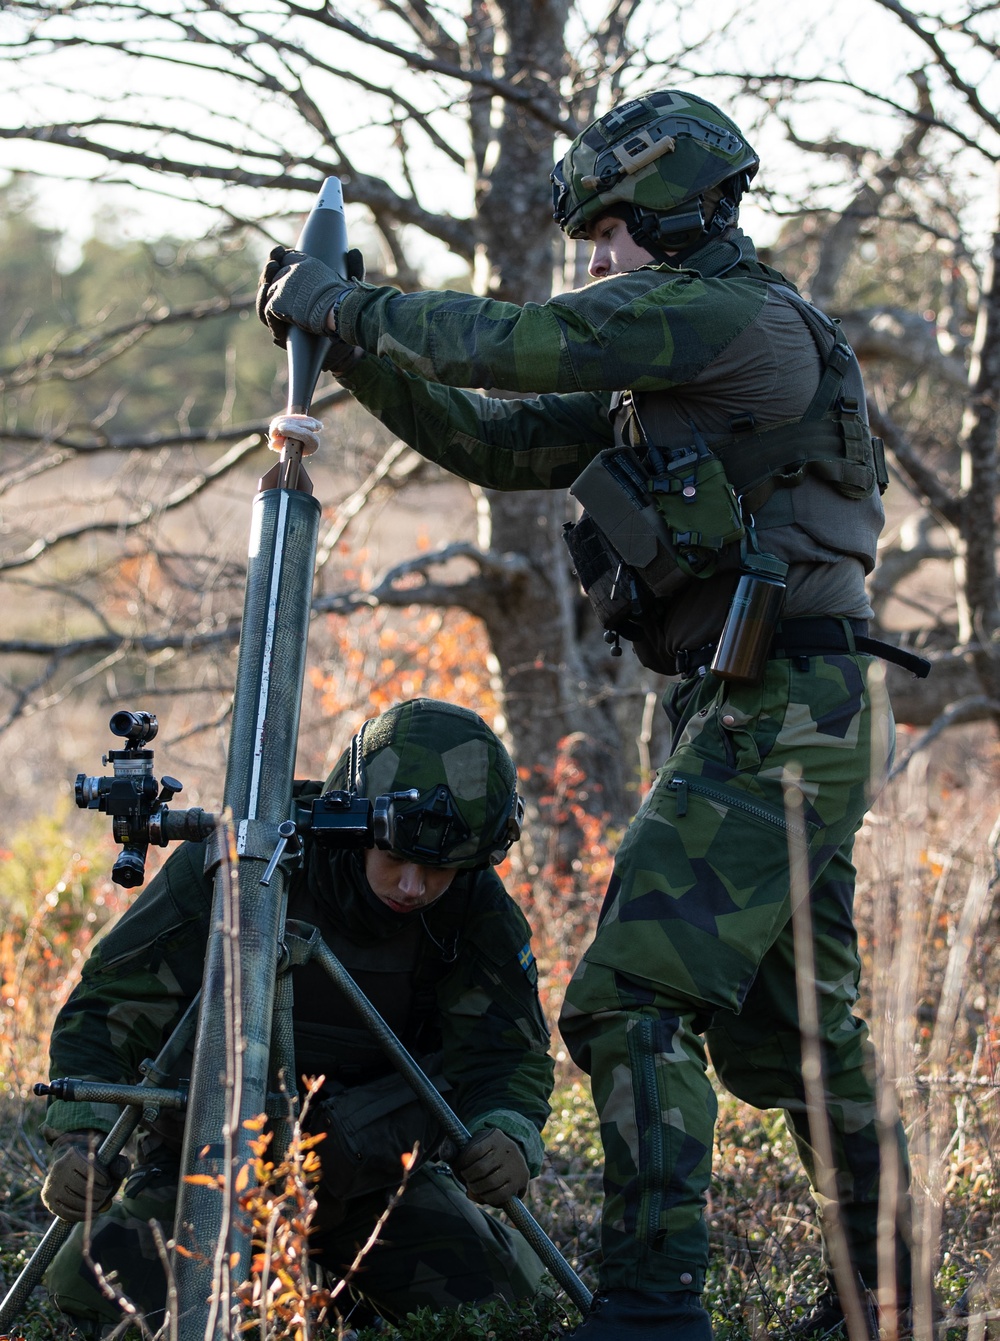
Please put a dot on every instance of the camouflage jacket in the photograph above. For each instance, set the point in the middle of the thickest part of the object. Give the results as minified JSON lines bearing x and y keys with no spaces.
{"x":653,"y":329}
{"x":459,"y":979}
{"x":704,"y":347}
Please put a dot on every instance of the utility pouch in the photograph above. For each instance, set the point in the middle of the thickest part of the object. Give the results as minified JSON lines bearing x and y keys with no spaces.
{"x":652,"y":522}
{"x":694,"y":497}
{"x":610,"y":586}
{"x":616,"y":490}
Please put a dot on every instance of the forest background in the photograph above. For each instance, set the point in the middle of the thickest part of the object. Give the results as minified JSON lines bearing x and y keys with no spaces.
{"x":136,"y":391}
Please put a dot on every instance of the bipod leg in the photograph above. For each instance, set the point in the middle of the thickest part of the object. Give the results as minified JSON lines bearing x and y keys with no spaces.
{"x":113,"y":1144}
{"x":451,"y":1123}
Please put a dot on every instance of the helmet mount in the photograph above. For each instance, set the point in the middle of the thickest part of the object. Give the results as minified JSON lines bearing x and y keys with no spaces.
{"x":656,"y":161}
{"x":442,"y":786}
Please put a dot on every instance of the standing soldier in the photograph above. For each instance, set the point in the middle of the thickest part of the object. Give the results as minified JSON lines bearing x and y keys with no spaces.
{"x":713,"y":424}
{"x":428,"y":932}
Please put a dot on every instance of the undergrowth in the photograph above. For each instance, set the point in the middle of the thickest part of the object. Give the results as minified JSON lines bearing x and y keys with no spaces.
{"x":929,"y":940}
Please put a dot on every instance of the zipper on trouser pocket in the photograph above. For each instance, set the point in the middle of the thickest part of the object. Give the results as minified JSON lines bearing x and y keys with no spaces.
{"x":682,"y":786}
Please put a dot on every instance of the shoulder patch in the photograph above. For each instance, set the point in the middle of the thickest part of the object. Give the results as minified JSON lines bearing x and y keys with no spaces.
{"x":524,"y":956}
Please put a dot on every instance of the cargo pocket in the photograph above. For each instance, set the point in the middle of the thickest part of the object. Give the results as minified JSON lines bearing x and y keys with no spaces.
{"x":703,"y":890}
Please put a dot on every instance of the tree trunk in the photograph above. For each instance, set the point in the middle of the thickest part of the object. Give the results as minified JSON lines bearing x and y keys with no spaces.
{"x":547,"y":682}
{"x":979,"y":483}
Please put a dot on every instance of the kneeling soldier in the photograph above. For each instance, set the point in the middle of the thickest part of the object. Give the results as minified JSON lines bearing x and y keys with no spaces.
{"x":430,"y":935}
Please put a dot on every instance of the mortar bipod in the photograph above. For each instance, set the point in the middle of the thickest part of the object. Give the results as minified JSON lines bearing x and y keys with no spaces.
{"x":117,"y":1138}
{"x":301,"y":943}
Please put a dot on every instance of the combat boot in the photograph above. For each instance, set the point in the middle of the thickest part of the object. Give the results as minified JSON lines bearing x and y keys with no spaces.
{"x":628,"y":1315}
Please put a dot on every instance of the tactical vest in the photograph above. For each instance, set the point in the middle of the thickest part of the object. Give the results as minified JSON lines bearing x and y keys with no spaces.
{"x":659,"y":514}
{"x":399,"y":976}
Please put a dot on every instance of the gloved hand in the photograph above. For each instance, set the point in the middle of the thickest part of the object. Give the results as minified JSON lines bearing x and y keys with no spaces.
{"x":297,"y":289}
{"x":66,"y":1185}
{"x":493,"y":1168}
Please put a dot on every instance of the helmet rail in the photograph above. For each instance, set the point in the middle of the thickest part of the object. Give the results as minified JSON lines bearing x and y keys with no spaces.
{"x":657,"y":155}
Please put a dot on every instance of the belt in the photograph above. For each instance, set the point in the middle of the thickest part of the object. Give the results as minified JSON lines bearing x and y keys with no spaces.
{"x":815,"y":636}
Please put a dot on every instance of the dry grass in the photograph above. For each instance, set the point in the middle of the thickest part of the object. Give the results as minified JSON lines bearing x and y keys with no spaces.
{"x":929,"y":932}
{"x":929,"y":924}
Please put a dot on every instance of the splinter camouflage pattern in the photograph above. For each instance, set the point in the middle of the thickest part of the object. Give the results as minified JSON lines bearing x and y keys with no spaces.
{"x":695,"y":938}
{"x":695,"y":943}
{"x":649,"y":330}
{"x":438,"y":1249}
{"x":423,"y":743}
{"x":683,"y":146}
{"x":456,"y":982}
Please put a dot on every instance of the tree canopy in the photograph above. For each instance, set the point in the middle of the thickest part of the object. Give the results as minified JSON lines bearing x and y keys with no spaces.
{"x":877,"y":195}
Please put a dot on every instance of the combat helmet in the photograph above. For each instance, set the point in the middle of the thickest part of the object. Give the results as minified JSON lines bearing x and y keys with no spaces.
{"x":652,"y":161}
{"x":443,"y":787}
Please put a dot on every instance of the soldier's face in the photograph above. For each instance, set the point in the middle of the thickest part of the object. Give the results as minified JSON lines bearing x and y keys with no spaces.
{"x":615,"y":252}
{"x":404,"y":886}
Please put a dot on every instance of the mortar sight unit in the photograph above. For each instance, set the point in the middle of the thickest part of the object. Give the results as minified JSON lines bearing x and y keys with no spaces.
{"x":140,"y":814}
{"x":137,"y":801}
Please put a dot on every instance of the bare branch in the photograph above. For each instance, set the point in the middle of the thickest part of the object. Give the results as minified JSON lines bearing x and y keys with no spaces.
{"x":498,"y":568}
{"x":981,"y":470}
{"x":780,"y":82}
{"x":190,"y":489}
{"x":969,"y":91}
{"x":364,"y":189}
{"x":971,"y":709}
{"x":30,"y":472}
{"x":513,"y":93}
{"x":924,"y":480}
{"x":903,"y":337}
{"x":24,"y":706}
{"x":115,"y":642}
{"x":421,"y":18}
{"x":397,"y":465}
{"x":496,"y":573}
{"x":110,"y":341}
{"x":899,"y":558}
{"x":867,"y":203}
{"x":153,"y":442}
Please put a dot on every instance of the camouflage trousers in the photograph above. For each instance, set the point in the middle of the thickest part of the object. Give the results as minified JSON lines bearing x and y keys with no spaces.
{"x":437,"y":1248}
{"x":694,"y":947}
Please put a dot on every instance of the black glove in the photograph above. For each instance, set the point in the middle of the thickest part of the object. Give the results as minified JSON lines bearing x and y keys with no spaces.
{"x":493,"y":1168}
{"x":69,"y":1178}
{"x":297,"y":289}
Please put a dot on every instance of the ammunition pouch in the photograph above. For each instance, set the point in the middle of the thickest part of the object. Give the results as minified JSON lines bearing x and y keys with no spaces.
{"x":611,"y":585}
{"x":651,"y":523}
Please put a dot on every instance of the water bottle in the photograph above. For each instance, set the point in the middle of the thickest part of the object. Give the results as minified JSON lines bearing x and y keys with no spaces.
{"x":748,"y":633}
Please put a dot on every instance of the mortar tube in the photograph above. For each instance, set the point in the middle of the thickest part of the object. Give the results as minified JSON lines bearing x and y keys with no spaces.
{"x":230,"y":1077}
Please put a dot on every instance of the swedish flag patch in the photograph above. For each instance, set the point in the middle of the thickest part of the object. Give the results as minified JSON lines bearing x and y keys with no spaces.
{"x":524,"y":956}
